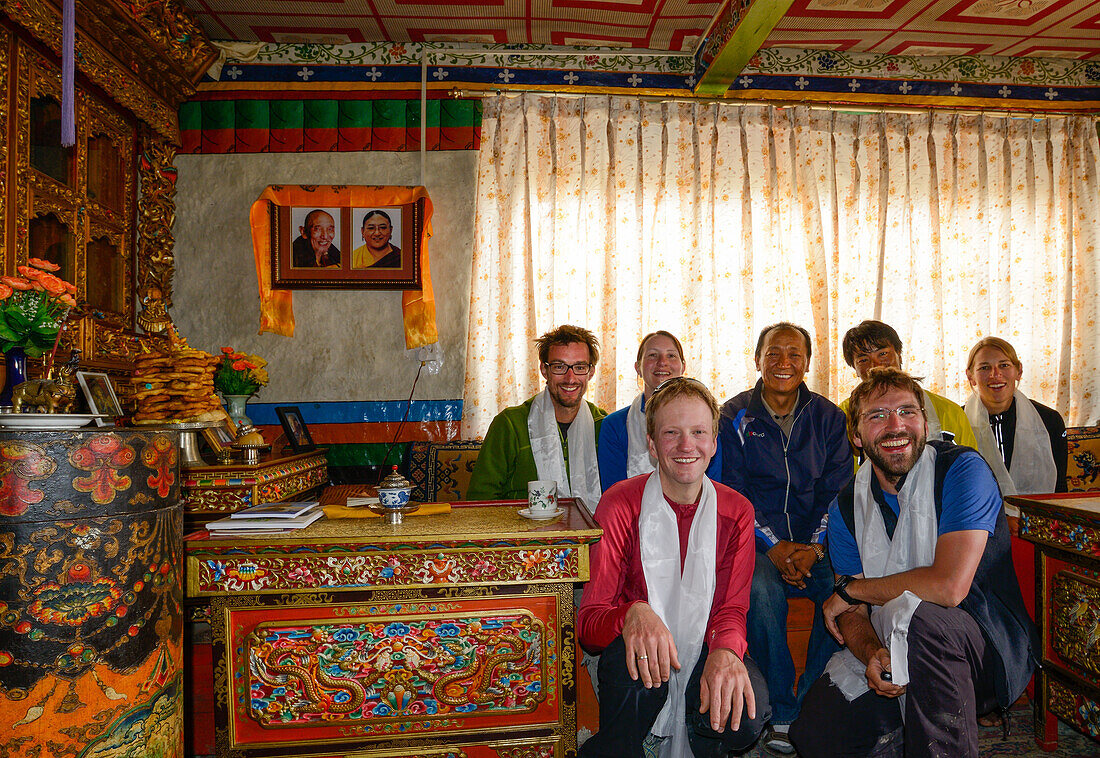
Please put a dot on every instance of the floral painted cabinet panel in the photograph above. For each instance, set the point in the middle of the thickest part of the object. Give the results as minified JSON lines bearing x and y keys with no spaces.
{"x":90,"y":594}
{"x":395,"y":674}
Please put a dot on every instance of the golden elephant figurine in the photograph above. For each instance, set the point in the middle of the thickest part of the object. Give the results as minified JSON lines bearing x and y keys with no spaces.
{"x":49,"y":395}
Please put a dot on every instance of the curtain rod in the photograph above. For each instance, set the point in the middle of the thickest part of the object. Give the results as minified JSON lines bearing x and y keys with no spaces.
{"x":615,"y":53}
{"x":456,"y":93}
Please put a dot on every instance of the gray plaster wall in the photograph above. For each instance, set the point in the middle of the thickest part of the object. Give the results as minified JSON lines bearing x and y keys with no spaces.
{"x":347,"y":345}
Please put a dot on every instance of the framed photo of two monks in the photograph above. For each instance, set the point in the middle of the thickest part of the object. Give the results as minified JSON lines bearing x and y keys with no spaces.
{"x":346,"y":247}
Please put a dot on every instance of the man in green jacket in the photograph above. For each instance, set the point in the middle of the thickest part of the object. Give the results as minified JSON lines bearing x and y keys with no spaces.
{"x":553,"y":434}
{"x":874,"y":343}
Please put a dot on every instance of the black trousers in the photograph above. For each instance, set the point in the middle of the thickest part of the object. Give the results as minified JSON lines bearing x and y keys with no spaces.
{"x":628,"y":710}
{"x":951,"y":672}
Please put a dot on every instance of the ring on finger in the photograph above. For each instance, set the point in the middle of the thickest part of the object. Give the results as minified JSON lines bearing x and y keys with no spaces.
{"x":643,"y":657}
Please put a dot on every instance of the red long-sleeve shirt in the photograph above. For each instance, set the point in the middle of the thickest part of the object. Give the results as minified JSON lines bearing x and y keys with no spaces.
{"x":617,"y":580}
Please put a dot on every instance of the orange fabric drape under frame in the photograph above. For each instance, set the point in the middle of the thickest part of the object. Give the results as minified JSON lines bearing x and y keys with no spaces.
{"x":277,"y":306}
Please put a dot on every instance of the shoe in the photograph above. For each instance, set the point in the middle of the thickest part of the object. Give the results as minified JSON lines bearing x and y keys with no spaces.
{"x":993,"y":718}
{"x":778,"y":744}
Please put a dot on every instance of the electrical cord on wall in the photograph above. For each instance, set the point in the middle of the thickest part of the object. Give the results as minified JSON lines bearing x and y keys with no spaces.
{"x":397,"y":434}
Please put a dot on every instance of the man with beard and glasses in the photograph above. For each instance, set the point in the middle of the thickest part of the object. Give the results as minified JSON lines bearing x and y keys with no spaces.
{"x":926,"y":600}
{"x":553,"y":434}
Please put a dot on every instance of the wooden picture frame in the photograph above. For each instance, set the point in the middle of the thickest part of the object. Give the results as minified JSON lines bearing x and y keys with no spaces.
{"x":100,"y":395}
{"x":351,"y":247}
{"x":295,"y":429}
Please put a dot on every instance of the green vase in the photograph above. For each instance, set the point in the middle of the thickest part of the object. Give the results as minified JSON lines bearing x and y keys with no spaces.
{"x":234,"y":404}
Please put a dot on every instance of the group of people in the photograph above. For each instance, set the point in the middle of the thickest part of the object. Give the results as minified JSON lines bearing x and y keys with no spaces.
{"x":713,"y":517}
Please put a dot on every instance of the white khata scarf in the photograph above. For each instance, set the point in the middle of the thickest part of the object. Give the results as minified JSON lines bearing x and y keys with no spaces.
{"x":637,"y":448}
{"x":913,"y":546}
{"x":1033,"y":469}
{"x":935,"y":431}
{"x":681,"y":600}
{"x":583,"y":478}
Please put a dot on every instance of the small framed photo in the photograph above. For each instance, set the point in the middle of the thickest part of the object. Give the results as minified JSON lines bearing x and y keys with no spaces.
{"x":297,"y":433}
{"x":100,"y":395}
{"x":220,"y":441}
{"x":360,"y":246}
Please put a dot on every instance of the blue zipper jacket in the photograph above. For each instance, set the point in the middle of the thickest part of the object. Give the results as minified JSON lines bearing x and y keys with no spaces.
{"x":790,"y":482}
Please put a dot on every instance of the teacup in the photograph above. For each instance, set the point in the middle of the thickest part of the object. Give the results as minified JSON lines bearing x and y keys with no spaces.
{"x":396,"y":497}
{"x":542,"y":496}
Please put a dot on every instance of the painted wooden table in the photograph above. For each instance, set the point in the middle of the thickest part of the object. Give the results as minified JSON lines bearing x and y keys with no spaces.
{"x":1066,"y":531}
{"x":447,"y":635}
{"x":210,"y":492}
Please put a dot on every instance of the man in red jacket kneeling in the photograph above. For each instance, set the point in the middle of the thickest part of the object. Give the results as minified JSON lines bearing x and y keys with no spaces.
{"x":669,"y":593}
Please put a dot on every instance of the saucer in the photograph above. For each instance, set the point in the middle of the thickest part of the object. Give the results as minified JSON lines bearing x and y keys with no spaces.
{"x":38,"y":422}
{"x":541,"y":515}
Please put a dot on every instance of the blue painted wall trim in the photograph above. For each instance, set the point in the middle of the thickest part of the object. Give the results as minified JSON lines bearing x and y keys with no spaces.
{"x":375,"y":411}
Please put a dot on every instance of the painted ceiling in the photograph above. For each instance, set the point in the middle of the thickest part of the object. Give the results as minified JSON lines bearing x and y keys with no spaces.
{"x":1037,"y":28}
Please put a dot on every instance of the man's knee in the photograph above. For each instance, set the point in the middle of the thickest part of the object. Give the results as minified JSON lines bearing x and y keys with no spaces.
{"x":937,"y":633}
{"x":830,"y":725}
{"x":612,"y":675}
{"x":704,"y":739}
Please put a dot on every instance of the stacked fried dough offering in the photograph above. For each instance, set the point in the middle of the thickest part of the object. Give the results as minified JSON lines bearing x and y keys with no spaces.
{"x":176,"y":387}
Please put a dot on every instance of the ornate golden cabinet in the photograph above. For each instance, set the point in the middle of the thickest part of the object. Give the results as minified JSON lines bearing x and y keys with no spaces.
{"x":103,"y":208}
{"x":1066,"y":531}
{"x":447,"y":635}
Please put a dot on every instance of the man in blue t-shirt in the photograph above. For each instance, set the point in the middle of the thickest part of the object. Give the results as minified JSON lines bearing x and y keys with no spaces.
{"x":919,"y":537}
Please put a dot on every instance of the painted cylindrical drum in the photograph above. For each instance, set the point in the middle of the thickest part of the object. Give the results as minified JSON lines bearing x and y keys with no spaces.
{"x":91,"y":625}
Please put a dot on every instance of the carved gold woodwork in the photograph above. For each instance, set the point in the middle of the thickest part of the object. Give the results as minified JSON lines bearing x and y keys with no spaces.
{"x":147,"y":70}
{"x":146,"y":56}
{"x":36,"y":77}
{"x":1075,"y":622}
{"x":101,"y":121}
{"x":179,"y":37}
{"x":156,"y":214}
{"x":137,"y":226}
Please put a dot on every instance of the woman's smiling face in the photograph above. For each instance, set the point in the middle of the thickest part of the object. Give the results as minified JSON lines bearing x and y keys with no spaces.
{"x":994,"y":377}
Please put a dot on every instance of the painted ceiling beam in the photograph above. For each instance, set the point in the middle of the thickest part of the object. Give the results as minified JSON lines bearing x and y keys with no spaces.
{"x":740,"y":30}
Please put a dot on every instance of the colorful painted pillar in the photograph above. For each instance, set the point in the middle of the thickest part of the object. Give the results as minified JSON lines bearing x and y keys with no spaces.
{"x":91,"y":626}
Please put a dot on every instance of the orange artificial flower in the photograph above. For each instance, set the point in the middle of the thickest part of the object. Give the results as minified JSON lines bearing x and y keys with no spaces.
{"x":44,"y":265}
{"x":16,"y":283}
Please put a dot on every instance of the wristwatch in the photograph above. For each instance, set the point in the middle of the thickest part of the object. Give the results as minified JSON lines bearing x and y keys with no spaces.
{"x":839,"y":588}
{"x":819,"y":551}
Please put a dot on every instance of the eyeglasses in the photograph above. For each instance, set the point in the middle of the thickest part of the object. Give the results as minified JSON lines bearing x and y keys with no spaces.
{"x":677,"y":380}
{"x":882,"y":415}
{"x":557,"y":368}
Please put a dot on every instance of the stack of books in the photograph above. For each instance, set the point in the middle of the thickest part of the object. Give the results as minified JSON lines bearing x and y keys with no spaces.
{"x":267,"y":519}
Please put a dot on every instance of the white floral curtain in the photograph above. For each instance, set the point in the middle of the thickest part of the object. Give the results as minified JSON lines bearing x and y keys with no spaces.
{"x":712,"y":221}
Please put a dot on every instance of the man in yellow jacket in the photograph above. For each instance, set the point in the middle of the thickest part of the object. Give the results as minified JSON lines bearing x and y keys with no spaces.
{"x":874,"y":343}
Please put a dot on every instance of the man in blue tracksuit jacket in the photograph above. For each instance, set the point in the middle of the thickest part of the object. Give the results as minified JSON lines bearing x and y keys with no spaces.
{"x":786,"y":449}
